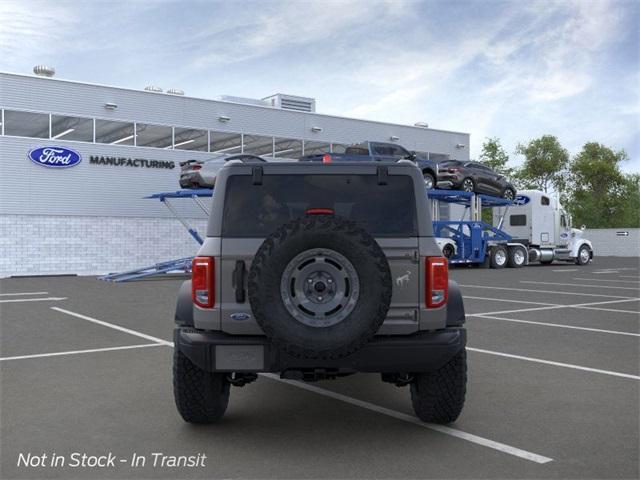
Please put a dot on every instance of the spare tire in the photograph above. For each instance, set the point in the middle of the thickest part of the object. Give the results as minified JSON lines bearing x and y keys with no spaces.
{"x":320,"y":287}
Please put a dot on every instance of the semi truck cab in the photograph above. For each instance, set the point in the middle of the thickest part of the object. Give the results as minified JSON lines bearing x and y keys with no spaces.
{"x":539,"y":222}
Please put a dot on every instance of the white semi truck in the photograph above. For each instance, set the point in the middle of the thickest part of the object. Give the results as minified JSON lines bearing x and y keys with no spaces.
{"x":543,"y":227}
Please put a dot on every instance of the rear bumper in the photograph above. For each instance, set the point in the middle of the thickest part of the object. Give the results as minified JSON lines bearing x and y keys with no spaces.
{"x":421,"y":352}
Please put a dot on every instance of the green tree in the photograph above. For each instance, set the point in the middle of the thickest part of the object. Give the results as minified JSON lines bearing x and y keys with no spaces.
{"x":495,"y":157}
{"x":599,"y":195}
{"x":545,"y":164}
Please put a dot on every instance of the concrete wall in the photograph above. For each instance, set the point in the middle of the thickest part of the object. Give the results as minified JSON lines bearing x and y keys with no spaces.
{"x":607,"y":241}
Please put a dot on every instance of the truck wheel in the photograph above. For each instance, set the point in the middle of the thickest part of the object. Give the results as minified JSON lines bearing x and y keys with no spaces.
{"x":438,"y":397}
{"x":517,"y":257}
{"x":584,"y":255}
{"x":448,"y":251}
{"x":201,"y":396}
{"x":499,"y":257}
{"x":320,"y":287}
{"x":429,"y":181}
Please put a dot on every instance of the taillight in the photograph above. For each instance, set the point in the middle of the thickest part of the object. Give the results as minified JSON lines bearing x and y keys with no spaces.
{"x":326,"y":158}
{"x":436,"y":281}
{"x":202,"y":282}
{"x":319,"y":211}
{"x":196,"y":167}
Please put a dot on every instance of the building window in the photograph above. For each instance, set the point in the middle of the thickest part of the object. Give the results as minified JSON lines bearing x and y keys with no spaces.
{"x":338,"y":147}
{"x":157,"y":136}
{"x":258,"y":145}
{"x":71,"y":128}
{"x":26,"y":124}
{"x":438,"y":157}
{"x":225,"y":142}
{"x":316,"y":148}
{"x":190,"y":139}
{"x":287,"y":148}
{"x":114,"y":133}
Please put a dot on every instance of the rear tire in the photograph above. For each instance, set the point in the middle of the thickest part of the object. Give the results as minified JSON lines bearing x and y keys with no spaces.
{"x":306,"y":268}
{"x":517,"y":257}
{"x":201,"y":396}
{"x":499,"y":257}
{"x":438,"y":397}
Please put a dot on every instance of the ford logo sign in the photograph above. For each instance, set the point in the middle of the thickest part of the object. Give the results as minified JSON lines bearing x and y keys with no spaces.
{"x":521,"y":200}
{"x":240,"y":316}
{"x":55,"y":157}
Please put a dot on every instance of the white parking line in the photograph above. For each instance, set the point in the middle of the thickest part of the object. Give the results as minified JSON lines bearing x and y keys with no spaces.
{"x":582,"y":285}
{"x":528,"y":290}
{"x":567,"y":270}
{"x":517,"y":452}
{"x":408,"y":418}
{"x":22,"y":293}
{"x":629,"y":276}
{"x":466,"y":297}
{"x":550,"y":306}
{"x":605,"y":280}
{"x":20,"y":300}
{"x":115,"y":327}
{"x":556,"y":364}
{"x":559,"y":325}
{"x":76,"y":352}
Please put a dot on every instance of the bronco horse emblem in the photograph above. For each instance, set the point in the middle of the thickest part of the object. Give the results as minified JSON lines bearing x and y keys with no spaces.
{"x":404,"y":279}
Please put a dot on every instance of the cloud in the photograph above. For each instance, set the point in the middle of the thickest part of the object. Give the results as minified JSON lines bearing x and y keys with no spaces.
{"x":274,"y":26}
{"x":30,"y":30}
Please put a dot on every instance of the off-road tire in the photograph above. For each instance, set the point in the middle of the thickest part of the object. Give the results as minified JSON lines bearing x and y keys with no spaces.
{"x":320,"y":232}
{"x":201,"y":396}
{"x":438,"y":397}
{"x":495,"y":260}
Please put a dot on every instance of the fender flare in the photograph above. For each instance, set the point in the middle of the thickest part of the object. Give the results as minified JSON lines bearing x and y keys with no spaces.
{"x":577,"y":246}
{"x":455,"y":306}
{"x":184,"y":306}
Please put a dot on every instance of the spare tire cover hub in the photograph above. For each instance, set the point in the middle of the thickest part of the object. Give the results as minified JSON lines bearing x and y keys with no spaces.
{"x":320,"y":287}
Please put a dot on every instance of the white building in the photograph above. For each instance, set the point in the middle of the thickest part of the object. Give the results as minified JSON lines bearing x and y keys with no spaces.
{"x":92,"y":218}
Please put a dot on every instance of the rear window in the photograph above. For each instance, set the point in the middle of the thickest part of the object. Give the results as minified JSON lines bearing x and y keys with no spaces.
{"x":257,"y":210}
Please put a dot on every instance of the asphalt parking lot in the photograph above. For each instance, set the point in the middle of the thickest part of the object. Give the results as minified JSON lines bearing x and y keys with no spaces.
{"x":553,"y":388}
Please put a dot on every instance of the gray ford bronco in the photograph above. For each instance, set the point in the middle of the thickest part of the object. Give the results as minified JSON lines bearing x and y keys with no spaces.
{"x":313,"y":272}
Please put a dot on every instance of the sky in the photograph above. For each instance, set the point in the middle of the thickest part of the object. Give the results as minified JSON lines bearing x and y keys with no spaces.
{"x":515,"y":70}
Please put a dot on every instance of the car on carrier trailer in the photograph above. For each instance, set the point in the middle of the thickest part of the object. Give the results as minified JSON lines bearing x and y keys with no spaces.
{"x":317,"y":271}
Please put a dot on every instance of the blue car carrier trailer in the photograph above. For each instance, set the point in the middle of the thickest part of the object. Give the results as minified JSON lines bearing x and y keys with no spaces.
{"x":470,"y":240}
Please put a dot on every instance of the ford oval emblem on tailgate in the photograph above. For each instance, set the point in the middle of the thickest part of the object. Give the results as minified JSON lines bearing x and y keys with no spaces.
{"x":55,"y":157}
{"x":240,"y":316}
